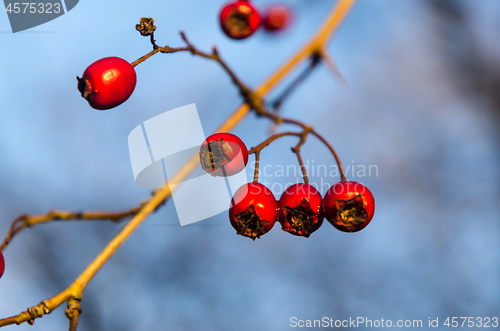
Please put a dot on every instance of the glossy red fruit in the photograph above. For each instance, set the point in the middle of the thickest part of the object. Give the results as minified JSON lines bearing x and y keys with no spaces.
{"x":239,"y":19}
{"x":348,"y":206}
{"x":253,"y":210}
{"x":223,"y":154}
{"x":2,"y":264}
{"x":107,"y":82}
{"x":276,"y":18}
{"x":299,"y":210}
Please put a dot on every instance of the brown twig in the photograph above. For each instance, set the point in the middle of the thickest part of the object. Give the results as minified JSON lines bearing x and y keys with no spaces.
{"x":332,"y":150}
{"x":296,"y":150}
{"x":26,"y":221}
{"x":256,"y":168}
{"x":250,"y":97}
{"x":256,"y":150}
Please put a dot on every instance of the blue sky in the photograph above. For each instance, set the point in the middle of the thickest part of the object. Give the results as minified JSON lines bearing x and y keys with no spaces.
{"x":432,"y":249}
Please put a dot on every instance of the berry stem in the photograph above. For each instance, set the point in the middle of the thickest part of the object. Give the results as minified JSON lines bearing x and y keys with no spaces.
{"x":296,"y":150}
{"x":257,"y":164}
{"x":144,"y":58}
{"x":332,"y":150}
{"x":306,"y":130}
{"x":256,"y":150}
{"x":269,"y":140}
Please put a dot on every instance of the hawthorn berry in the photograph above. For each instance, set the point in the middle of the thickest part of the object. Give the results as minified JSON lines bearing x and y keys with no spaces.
{"x":239,"y":19}
{"x":223,"y":154}
{"x":253,"y":210}
{"x":2,"y":264}
{"x":107,"y":82}
{"x":348,"y":206}
{"x":299,"y":210}
{"x":276,"y":18}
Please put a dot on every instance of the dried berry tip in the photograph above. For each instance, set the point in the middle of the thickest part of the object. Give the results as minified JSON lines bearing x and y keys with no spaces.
{"x":146,"y":26}
{"x":351,"y":211}
{"x":213,"y":156}
{"x":300,"y":218}
{"x":249,"y":223}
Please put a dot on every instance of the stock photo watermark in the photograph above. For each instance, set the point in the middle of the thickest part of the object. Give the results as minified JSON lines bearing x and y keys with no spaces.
{"x":322,"y":176}
{"x":365,"y":322}
{"x":26,"y":15}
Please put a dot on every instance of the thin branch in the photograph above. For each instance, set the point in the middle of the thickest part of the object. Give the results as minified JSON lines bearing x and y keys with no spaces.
{"x":256,"y":150}
{"x":245,"y":91}
{"x":145,"y":57}
{"x":306,"y":130}
{"x":269,"y":140}
{"x":296,"y":150}
{"x":332,"y":150}
{"x":76,"y":288}
{"x":26,"y":221}
{"x":257,"y":165}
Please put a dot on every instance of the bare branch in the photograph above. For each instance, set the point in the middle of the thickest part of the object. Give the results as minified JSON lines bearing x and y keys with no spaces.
{"x":26,"y":221}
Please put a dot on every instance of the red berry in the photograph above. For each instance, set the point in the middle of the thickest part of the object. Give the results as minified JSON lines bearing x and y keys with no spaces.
{"x":223,"y":154}
{"x":239,"y":19}
{"x":107,"y":82}
{"x":253,"y":210}
{"x":299,"y":209}
{"x":348,"y":206}
{"x":2,"y":264}
{"x":276,"y":18}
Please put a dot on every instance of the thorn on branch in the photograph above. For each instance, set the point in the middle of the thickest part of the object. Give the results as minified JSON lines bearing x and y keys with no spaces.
{"x":215,"y":52}
{"x":330,"y":64}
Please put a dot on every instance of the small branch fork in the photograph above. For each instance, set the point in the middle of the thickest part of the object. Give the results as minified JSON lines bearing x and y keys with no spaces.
{"x":253,"y":100}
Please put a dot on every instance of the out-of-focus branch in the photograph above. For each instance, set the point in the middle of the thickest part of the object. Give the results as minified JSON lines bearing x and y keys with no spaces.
{"x":276,"y":104}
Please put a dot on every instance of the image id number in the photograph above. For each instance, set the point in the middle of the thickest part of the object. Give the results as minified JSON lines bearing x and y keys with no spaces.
{"x":36,"y":7}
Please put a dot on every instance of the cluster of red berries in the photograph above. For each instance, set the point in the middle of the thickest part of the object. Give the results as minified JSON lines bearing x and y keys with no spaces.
{"x":348,"y":206}
{"x":240,"y":19}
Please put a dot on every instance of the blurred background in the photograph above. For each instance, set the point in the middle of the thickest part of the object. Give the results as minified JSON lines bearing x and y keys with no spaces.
{"x":422,"y":104}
